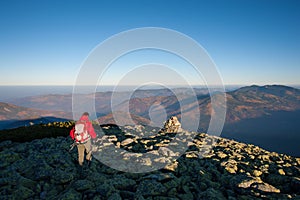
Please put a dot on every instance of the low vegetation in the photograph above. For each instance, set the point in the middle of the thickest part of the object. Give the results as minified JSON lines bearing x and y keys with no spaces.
{"x":39,"y":131}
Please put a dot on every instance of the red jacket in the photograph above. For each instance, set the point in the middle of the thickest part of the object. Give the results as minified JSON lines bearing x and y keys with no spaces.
{"x":89,"y":127}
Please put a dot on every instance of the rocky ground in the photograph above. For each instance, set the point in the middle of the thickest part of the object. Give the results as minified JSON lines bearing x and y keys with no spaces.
{"x":211,"y":168}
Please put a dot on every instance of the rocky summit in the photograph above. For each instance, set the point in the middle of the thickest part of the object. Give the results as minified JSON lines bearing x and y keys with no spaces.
{"x":204,"y":167}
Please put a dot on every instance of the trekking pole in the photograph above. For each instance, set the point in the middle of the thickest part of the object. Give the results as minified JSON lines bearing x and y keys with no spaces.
{"x":72,"y":146}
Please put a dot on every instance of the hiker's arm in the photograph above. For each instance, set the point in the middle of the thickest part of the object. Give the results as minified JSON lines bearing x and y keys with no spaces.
{"x":72,"y":133}
{"x":91,"y":131}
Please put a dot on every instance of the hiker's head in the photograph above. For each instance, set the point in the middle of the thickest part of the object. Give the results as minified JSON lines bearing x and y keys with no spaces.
{"x":85,"y":114}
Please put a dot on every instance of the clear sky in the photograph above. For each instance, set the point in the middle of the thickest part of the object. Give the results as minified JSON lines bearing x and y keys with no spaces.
{"x":251,"y":42}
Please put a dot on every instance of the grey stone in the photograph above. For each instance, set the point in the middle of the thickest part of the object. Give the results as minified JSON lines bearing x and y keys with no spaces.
{"x":265,"y":187}
{"x":127,"y":141}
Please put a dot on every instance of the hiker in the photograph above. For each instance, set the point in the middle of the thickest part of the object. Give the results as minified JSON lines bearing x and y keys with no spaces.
{"x":82,"y":133}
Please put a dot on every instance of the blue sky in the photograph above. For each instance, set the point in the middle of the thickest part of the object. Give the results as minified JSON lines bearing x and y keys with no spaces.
{"x":251,"y":42}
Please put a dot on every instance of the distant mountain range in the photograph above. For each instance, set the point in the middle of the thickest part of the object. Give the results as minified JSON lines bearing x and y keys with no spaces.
{"x":12,"y":116}
{"x":10,"y":111}
{"x":123,"y":118}
{"x":249,"y":110}
{"x":244,"y":103}
{"x":256,"y":101}
{"x":103,"y":99}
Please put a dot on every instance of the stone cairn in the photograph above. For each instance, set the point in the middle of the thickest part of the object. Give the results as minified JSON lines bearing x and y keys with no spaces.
{"x":172,"y":125}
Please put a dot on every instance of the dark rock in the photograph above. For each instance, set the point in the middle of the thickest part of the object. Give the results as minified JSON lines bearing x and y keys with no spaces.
{"x":211,"y":193}
{"x":22,"y":192}
{"x":90,"y":194}
{"x":5,"y":144}
{"x":53,"y":192}
{"x":160,"y":177}
{"x":7,"y":157}
{"x":30,"y":184}
{"x":211,"y":168}
{"x":105,"y":189}
{"x":186,"y":196}
{"x":275,"y":179}
{"x":151,"y":188}
{"x":70,"y":195}
{"x":97,"y":178}
{"x":123,"y":183}
{"x":295,"y":184}
{"x":42,"y":171}
{"x":173,"y":183}
{"x":115,"y":196}
{"x":81,"y":185}
{"x":202,"y":186}
{"x":165,"y":198}
{"x":62,"y":177}
{"x":127,"y":194}
{"x":20,"y":148}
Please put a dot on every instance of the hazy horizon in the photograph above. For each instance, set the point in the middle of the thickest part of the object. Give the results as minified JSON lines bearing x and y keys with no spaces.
{"x":20,"y":91}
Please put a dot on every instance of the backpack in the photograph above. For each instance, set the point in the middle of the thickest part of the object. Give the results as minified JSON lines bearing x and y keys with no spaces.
{"x":81,"y":134}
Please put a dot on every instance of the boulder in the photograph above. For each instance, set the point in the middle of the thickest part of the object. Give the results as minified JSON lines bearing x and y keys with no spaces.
{"x":265,"y":187}
{"x":257,"y":173}
{"x":127,"y":141}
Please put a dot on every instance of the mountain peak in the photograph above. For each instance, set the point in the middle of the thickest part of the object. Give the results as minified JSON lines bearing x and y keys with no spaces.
{"x":265,"y":88}
{"x":210,"y":168}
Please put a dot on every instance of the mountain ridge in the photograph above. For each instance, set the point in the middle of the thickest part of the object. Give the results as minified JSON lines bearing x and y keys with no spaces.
{"x":10,"y":111}
{"x":246,"y":102}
